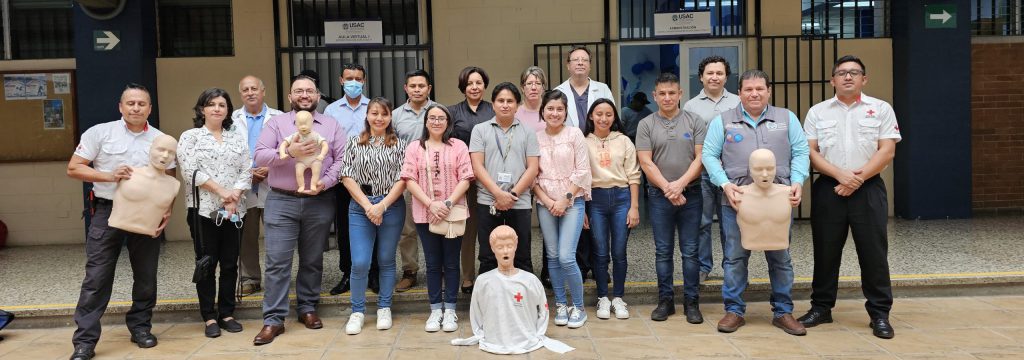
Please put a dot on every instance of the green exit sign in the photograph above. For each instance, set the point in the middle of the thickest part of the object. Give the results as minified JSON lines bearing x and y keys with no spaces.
{"x":940,"y":16}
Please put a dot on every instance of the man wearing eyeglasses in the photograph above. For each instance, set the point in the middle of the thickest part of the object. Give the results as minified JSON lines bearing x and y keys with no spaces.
{"x":852,"y":138}
{"x":296,"y":220}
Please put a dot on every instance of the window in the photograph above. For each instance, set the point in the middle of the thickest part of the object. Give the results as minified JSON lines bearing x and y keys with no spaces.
{"x":845,"y":18}
{"x":996,"y":17}
{"x":195,"y":28}
{"x":636,"y":17}
{"x":400,"y":19}
{"x":36,"y":29}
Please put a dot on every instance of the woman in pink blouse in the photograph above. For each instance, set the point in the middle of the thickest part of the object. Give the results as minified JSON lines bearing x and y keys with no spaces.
{"x":562,"y":186}
{"x":437,"y":172}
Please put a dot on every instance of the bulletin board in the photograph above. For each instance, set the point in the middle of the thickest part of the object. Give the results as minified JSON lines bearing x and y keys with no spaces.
{"x":38,"y":117}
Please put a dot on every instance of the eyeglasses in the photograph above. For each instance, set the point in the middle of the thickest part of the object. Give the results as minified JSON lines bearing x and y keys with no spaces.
{"x":300,"y":92}
{"x":437,"y":119}
{"x":843,"y":73}
{"x":533,"y":83}
{"x":579,"y":60}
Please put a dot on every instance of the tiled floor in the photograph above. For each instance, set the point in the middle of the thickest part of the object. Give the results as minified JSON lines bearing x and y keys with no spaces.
{"x":927,"y":328}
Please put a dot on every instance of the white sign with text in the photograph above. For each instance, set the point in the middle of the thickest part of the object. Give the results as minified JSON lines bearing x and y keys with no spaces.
{"x":353,"y":32}
{"x":682,"y":23}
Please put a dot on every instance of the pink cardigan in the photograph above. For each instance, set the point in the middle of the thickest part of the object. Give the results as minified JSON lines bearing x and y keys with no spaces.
{"x":455,"y":167}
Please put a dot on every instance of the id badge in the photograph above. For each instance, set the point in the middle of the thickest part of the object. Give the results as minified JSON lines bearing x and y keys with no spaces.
{"x":504,"y":178}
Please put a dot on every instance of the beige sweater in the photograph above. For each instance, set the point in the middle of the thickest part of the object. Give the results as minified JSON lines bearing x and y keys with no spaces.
{"x":613,"y":161}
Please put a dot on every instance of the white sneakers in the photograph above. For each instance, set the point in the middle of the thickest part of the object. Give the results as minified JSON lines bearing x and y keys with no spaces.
{"x":619,"y":307}
{"x":604,"y":308}
{"x":442,"y":320}
{"x":434,"y":321}
{"x":355,"y":323}
{"x":561,"y":314}
{"x":383,"y":318}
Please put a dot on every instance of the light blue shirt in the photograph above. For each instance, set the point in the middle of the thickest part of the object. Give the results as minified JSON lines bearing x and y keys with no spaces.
{"x":351,"y":119}
{"x":255,"y":126}
{"x":711,"y":156}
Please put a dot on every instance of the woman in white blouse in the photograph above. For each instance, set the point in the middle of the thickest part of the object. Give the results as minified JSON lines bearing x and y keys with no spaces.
{"x":218,"y":158}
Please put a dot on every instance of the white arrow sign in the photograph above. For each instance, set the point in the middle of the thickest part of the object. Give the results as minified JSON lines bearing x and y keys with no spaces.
{"x":944,"y":16}
{"x":111,"y":40}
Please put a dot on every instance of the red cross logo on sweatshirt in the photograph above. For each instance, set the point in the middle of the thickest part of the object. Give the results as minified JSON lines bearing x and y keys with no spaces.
{"x":518,"y":297}
{"x":871,"y":113}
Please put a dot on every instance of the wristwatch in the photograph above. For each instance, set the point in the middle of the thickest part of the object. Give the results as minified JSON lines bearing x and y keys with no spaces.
{"x":568,"y":196}
{"x":448,"y":203}
{"x":514,"y":194}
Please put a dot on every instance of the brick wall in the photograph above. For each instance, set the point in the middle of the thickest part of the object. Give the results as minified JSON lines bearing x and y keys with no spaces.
{"x":997,"y":123}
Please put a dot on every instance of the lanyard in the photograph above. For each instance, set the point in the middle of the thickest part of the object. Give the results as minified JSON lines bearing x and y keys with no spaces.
{"x":508,"y":147}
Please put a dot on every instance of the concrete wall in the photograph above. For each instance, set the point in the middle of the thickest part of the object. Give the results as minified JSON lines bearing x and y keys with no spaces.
{"x":997,"y":136}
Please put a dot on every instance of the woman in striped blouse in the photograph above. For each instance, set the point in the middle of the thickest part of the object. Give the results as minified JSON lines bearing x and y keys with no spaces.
{"x":370,"y":171}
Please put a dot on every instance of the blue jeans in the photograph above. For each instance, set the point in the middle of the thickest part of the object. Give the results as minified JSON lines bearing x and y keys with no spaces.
{"x":712,"y":199}
{"x":561,"y":235}
{"x":442,"y":257}
{"x":608,"y":210}
{"x":363,"y":234}
{"x":667,"y":221}
{"x":780,"y":270}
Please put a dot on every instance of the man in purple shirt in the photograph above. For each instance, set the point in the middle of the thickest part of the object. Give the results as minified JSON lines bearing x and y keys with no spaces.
{"x":296,"y":219}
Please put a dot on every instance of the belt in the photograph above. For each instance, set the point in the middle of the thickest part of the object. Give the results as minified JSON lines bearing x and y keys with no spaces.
{"x":102,"y":201}
{"x":294,"y":193}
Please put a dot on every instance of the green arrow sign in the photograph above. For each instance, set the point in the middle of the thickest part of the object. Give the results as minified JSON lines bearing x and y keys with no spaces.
{"x":106,"y":40}
{"x":940,"y":16}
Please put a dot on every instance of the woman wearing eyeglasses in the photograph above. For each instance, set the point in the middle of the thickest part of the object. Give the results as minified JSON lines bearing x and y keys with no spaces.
{"x":218,"y":156}
{"x":438,"y":172}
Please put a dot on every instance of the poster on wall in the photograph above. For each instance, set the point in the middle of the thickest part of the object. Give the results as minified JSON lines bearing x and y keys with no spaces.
{"x":353,"y":32}
{"x":53,"y":114}
{"x":24,"y":86}
{"x":61,"y":83}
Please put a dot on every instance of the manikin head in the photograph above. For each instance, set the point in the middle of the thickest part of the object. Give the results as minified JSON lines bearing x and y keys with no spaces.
{"x":762,"y":168}
{"x":304,"y":122}
{"x":162,"y":152}
{"x":503,"y":243}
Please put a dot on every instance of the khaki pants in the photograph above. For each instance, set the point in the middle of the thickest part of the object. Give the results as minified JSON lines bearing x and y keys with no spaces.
{"x":469,"y":239}
{"x":249,"y":251}
{"x":409,"y":244}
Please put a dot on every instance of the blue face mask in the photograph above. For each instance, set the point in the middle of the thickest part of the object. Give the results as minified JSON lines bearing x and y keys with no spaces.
{"x":353,"y":88}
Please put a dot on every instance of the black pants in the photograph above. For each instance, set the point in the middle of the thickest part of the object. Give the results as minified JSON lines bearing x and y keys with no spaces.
{"x":519,"y":220}
{"x":865,"y":212}
{"x":102,"y":248}
{"x":341,"y":231}
{"x":221,"y":243}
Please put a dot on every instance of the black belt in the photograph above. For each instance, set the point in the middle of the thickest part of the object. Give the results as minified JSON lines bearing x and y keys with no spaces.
{"x":294,"y":193}
{"x":102,"y":201}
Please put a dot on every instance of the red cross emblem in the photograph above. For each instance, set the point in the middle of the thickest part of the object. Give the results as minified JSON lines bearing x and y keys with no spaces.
{"x":871,"y":113}
{"x":518,"y":297}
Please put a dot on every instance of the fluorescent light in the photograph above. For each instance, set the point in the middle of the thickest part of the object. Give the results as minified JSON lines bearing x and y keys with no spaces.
{"x":854,"y":4}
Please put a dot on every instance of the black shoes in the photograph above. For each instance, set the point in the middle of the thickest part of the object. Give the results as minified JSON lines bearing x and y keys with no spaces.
{"x":342,"y":287}
{"x":882,"y":329}
{"x":212,"y":330}
{"x":231,"y":325}
{"x":665,"y":309}
{"x":83,"y":353}
{"x":144,"y":339}
{"x":691,"y":308}
{"x":814,"y":318}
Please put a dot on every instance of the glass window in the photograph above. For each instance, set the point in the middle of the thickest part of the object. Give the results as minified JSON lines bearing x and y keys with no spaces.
{"x":845,"y":18}
{"x":636,"y":17}
{"x":195,"y":28}
{"x":400,"y":19}
{"x":996,"y":17}
{"x":39,"y":29}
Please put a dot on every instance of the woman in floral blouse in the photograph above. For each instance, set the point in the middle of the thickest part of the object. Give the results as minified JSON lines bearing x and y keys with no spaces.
{"x":219,"y":157}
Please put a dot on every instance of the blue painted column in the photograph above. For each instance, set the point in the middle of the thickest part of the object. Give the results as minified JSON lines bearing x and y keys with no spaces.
{"x":932,"y":99}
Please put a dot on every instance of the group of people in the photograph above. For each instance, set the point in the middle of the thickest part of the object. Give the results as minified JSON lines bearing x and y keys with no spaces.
{"x":390,"y":173}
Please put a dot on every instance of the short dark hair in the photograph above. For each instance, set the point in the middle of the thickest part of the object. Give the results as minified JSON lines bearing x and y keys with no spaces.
{"x":415,"y":73}
{"x":311,"y":74}
{"x":135,"y":86}
{"x":304,"y":77}
{"x":568,"y":55}
{"x":616,"y":124}
{"x":755,"y":74}
{"x":711,"y":60}
{"x":353,"y":66}
{"x":204,"y":99}
{"x":666,"y":78}
{"x":507,"y":86}
{"x":464,"y":77}
{"x":553,"y":95}
{"x":849,"y":58}
{"x":449,"y":129}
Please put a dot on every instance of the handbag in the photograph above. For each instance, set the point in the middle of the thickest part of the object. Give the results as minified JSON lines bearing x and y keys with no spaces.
{"x":204,"y":262}
{"x":454,"y":225}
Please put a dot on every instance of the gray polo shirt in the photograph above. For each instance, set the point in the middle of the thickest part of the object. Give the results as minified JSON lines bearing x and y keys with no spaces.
{"x":408,"y":124}
{"x":671,"y":141}
{"x":505,"y":154}
{"x":707,"y":109}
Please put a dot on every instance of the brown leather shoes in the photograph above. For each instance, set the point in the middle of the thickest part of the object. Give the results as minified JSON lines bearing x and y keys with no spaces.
{"x":730,"y":323}
{"x":267,"y":334}
{"x":407,"y":282}
{"x":311,"y":320}
{"x":788,"y":324}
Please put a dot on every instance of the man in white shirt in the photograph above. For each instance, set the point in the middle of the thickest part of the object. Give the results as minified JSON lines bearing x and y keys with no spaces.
{"x":250,"y":119}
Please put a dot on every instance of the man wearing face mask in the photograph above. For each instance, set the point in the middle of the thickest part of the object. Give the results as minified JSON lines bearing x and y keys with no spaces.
{"x":350,"y":112}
